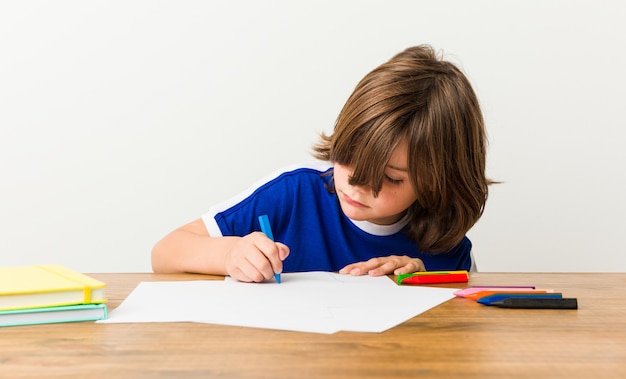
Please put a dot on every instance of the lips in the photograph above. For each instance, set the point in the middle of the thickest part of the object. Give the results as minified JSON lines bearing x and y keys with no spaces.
{"x":354,"y":203}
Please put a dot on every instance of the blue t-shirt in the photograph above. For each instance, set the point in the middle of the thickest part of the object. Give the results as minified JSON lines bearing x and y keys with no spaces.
{"x":308,"y":218}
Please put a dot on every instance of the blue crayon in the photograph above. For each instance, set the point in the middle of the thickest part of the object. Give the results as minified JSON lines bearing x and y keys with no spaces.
{"x":267,"y":230}
{"x":490,"y":299}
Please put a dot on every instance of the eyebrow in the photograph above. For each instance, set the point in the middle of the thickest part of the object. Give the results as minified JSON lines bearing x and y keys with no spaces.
{"x":398,"y":168}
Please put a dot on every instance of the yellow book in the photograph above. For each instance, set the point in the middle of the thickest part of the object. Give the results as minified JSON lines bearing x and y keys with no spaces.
{"x":38,"y":286}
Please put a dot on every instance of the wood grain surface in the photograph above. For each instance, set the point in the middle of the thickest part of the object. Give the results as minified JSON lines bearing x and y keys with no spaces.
{"x":458,"y":339}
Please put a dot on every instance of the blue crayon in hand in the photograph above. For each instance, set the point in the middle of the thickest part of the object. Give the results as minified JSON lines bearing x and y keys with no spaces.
{"x":267,"y":230}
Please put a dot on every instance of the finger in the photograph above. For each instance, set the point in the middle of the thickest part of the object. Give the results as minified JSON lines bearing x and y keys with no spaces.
{"x":259,"y":267}
{"x":414,"y":265}
{"x":283,"y":251}
{"x":255,"y":259}
{"x":256,"y":268}
{"x":241,"y":261}
{"x":361,"y":268}
{"x":385,"y":268}
{"x":245,"y":273}
{"x":347,"y":269}
{"x":354,"y":269}
{"x":272,"y":253}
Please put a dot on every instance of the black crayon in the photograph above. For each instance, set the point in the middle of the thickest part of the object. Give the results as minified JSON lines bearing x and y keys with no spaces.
{"x":537,"y":303}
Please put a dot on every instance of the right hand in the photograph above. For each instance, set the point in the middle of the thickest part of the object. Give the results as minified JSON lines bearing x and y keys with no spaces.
{"x":255,"y":258}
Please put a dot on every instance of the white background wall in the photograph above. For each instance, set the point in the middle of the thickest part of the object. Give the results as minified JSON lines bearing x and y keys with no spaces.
{"x":121,"y":120}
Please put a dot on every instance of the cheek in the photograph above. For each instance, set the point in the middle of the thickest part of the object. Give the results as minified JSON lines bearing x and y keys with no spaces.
{"x":340,"y":175}
{"x":400,"y":198}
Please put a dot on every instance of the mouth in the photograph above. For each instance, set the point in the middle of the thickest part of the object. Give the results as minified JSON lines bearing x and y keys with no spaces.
{"x":352,"y":202}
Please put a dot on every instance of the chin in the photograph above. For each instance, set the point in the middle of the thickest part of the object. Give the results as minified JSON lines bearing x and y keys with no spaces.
{"x":356,"y":216}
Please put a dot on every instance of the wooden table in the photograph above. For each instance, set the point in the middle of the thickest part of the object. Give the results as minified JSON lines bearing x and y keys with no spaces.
{"x":458,"y":339}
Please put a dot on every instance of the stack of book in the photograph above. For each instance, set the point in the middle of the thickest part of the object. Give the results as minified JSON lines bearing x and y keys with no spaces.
{"x":45,"y":294}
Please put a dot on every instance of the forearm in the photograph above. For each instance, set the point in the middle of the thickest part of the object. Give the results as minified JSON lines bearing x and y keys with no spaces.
{"x":185,"y":251}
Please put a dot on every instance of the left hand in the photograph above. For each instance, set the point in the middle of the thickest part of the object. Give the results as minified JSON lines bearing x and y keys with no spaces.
{"x":392,"y":264}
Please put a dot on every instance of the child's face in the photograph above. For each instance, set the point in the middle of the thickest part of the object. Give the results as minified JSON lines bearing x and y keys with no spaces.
{"x":395,"y":196}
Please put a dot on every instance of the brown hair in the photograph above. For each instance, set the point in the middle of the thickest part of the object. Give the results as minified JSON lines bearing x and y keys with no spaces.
{"x":429,"y":102}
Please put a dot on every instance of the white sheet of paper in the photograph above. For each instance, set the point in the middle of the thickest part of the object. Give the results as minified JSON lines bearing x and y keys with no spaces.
{"x":319,"y":302}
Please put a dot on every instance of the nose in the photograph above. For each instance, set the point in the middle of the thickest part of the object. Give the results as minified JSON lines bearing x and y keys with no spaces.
{"x":362,"y":188}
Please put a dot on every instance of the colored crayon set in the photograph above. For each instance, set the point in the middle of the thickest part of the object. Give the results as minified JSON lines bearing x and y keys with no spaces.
{"x":521,"y":297}
{"x":518,"y":297}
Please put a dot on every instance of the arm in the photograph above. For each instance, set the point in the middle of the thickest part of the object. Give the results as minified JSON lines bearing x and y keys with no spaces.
{"x":190,"y":248}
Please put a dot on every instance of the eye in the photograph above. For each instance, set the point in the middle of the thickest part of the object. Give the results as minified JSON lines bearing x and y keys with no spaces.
{"x":392,"y":180}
